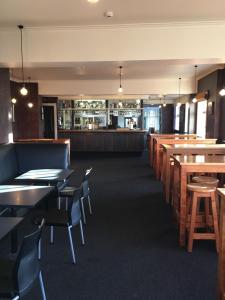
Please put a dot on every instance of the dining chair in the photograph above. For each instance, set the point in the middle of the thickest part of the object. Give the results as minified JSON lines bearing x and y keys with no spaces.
{"x":18,"y":276}
{"x":67,"y":218}
{"x":68,"y":192}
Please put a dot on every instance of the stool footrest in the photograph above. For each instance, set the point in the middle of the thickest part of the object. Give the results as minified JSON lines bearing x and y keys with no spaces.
{"x":204,"y":236}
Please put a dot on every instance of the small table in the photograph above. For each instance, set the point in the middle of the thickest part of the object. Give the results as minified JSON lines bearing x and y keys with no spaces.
{"x":185,"y":149}
{"x":20,"y":196}
{"x":7,"y":225}
{"x":49,"y":176}
{"x":184,"y":165}
{"x":221,"y":262}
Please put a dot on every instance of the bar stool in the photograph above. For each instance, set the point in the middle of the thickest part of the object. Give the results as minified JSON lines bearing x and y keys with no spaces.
{"x":208,"y":192}
{"x":206,"y":180}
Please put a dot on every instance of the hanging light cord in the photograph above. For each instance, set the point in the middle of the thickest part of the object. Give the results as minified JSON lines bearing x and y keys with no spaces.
{"x":21,"y":49}
{"x":179,"y":87}
{"x":196,"y":79}
{"x":120,"y":76}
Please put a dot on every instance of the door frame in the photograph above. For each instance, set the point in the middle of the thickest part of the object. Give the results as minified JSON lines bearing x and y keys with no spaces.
{"x":55,"y":117}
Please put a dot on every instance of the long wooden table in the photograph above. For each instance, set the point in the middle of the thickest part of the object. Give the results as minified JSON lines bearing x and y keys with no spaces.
{"x":221,"y":262}
{"x":184,"y":149}
{"x":158,"y":142}
{"x":166,"y":136}
{"x":183,"y":166}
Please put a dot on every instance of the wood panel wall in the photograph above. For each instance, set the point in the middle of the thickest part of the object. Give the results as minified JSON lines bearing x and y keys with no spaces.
{"x":167,"y":118}
{"x":5,"y":106}
{"x":28,"y":123}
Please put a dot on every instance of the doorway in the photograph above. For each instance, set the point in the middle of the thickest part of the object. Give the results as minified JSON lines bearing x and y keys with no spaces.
{"x":50,"y":120}
{"x":201,"y":118}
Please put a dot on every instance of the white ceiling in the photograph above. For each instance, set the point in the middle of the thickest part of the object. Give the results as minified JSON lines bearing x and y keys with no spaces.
{"x":80,"y":12}
{"x":110,"y":70}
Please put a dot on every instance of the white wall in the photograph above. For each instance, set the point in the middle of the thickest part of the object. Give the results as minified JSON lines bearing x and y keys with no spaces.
{"x":95,"y":87}
{"x":203,"y":40}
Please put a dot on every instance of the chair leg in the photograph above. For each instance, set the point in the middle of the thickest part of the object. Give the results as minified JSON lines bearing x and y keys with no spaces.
{"x":42,"y":286}
{"x":192,"y":225}
{"x":89,"y":204}
{"x":71,"y":244}
{"x":59,"y":203}
{"x":39,"y":249}
{"x":66,"y":203}
{"x":215,"y":220}
{"x":51,"y":234}
{"x":82,"y":233}
{"x":82,"y":209}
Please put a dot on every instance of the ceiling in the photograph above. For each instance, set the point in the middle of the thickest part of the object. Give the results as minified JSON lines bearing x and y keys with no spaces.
{"x":163,"y":69}
{"x":80,"y":12}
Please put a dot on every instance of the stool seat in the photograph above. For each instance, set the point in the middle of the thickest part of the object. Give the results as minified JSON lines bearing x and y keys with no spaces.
{"x":206,"y":179}
{"x":201,"y":188}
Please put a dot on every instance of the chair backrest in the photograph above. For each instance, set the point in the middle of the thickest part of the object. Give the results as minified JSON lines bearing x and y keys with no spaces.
{"x":87,"y":174}
{"x":27,"y":266}
{"x":74,"y":212}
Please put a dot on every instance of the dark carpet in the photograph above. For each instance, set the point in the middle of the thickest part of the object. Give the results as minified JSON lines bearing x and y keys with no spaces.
{"x":131,"y":249}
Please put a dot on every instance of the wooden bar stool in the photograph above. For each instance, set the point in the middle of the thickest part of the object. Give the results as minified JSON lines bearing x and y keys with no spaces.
{"x":208,"y":192}
{"x":206,"y":180}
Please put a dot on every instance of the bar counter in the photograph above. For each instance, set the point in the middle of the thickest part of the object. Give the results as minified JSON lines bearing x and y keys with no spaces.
{"x":105,"y":140}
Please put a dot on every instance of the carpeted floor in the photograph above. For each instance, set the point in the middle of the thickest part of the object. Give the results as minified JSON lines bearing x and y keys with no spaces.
{"x":131,"y":249}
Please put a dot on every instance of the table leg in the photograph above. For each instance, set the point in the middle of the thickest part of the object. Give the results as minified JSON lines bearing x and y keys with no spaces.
{"x":14,"y":235}
{"x":167,"y":179}
{"x":157,"y":162}
{"x":221,"y":262}
{"x":183,"y":206}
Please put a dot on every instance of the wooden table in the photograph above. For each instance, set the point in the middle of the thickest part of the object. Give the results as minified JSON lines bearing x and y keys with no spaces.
{"x":184,"y":165}
{"x":221,"y":262}
{"x":158,"y":142}
{"x":184,"y":149}
{"x":166,"y":136}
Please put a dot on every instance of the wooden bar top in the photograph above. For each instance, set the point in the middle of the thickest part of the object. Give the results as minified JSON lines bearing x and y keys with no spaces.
{"x":194,"y":146}
{"x":200,"y":159}
{"x":54,"y":141}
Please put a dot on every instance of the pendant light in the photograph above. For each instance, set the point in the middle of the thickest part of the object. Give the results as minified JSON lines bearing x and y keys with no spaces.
{"x":120,"y":89}
{"x":23,"y":90}
{"x":164,"y":102}
{"x":194,"y":100}
{"x":13,"y":100}
{"x":179,"y":85}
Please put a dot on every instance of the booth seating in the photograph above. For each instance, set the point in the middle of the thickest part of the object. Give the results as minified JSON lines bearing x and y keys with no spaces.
{"x":18,"y":158}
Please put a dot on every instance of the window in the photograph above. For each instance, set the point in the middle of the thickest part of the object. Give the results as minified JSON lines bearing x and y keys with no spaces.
{"x":152,"y":118}
{"x":201,"y":118}
{"x":177,"y":118}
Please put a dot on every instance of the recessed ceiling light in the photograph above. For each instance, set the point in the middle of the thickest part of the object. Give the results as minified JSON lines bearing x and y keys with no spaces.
{"x":93,"y":1}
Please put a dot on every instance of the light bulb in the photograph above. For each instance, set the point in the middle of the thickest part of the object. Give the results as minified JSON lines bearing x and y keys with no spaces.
{"x":222,"y":92}
{"x":194,"y":100}
{"x":23,"y":91}
{"x":120,"y":89}
{"x":164,"y":104}
{"x":30,"y":104}
{"x":13,"y":100}
{"x":138,"y":101}
{"x":160,"y":106}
